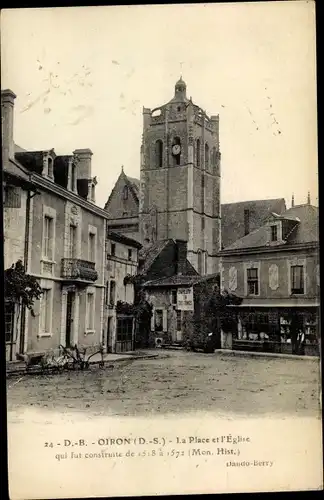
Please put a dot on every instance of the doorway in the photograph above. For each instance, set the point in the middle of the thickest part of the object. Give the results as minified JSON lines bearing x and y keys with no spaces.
{"x":69,"y":318}
{"x":10,"y":330}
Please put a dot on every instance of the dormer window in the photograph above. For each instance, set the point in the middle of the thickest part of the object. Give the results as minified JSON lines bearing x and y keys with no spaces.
{"x":125,"y":193}
{"x":274,"y":233}
{"x":50,"y":168}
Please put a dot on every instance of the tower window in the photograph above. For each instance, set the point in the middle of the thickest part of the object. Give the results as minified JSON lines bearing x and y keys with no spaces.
{"x":206,"y":156}
{"x":125,"y":193}
{"x":159,"y":153}
{"x":198,"y":152}
{"x":50,"y":167}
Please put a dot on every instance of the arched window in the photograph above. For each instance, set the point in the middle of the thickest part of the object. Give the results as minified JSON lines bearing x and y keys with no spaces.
{"x":159,"y":153}
{"x":125,"y":193}
{"x":206,"y":156}
{"x":198,"y":153}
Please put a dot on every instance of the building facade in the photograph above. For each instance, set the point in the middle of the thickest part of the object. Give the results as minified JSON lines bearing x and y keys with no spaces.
{"x":121,"y":266}
{"x":275,"y":270}
{"x":64,"y":240}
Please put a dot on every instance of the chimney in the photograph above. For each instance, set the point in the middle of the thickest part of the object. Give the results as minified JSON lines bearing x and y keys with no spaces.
{"x":83,"y":171}
{"x":181,"y":256}
{"x":292,"y":201}
{"x":246,"y":221}
{"x":308,"y":198}
{"x":7,"y":108}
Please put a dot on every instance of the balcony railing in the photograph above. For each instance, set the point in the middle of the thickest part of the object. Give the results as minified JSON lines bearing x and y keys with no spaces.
{"x":77,"y":269}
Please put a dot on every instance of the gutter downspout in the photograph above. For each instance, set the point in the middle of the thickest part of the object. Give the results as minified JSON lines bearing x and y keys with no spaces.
{"x":23,"y":309}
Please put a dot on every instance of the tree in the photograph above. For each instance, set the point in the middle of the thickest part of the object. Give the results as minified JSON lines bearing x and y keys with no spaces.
{"x":21,"y":288}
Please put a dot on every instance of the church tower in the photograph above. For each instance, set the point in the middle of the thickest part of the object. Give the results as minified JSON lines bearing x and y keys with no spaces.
{"x":180,"y":178}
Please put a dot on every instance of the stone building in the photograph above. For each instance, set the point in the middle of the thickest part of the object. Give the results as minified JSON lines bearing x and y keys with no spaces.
{"x":179,"y":194}
{"x":64,"y":248}
{"x":121,"y":264}
{"x":276,"y":270}
{"x":18,"y":191}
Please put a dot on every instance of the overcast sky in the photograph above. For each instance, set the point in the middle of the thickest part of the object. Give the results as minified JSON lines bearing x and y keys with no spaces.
{"x":83,"y":75}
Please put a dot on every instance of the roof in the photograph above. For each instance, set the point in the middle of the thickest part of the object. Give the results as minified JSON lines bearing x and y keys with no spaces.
{"x":305,"y":230}
{"x":180,"y":280}
{"x":118,"y":237}
{"x":135,"y":183}
{"x":233,"y":217}
{"x":13,"y":169}
{"x":149,"y":254}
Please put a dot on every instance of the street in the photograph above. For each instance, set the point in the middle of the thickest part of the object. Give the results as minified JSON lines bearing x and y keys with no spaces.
{"x":177,"y":382}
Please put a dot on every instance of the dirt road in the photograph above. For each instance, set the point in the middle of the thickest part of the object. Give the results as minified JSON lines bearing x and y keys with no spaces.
{"x":180,"y":383}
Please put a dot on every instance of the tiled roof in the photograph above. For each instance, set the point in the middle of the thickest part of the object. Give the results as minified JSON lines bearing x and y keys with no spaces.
{"x":149,"y":254}
{"x":179,"y":280}
{"x":126,"y":240}
{"x":233,"y":217}
{"x":305,"y":231}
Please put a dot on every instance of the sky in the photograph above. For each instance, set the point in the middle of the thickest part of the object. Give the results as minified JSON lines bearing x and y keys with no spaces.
{"x":82,"y":76}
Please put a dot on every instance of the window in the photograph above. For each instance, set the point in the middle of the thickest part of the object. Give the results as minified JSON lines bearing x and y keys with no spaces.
{"x":45,"y":312}
{"x":129,"y":254}
{"x":159,"y":153}
{"x":50,"y":167}
{"x":203,"y":224}
{"x":125,"y":193}
{"x":174,"y":297}
{"x":72,"y":249}
{"x":198,"y":152}
{"x":297,"y":279}
{"x":206,"y":156}
{"x":252,"y":281}
{"x":90,"y":313}
{"x":113,"y":249}
{"x":274,"y":233}
{"x":112,"y":293}
{"x":179,"y":320}
{"x":158,"y":320}
{"x":9,"y":321}
{"x":48,"y":237}
{"x":206,"y":262}
{"x":92,"y":247}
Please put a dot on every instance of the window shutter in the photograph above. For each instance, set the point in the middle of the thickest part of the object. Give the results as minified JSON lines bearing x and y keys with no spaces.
{"x":152,"y":319}
{"x":165,"y":320}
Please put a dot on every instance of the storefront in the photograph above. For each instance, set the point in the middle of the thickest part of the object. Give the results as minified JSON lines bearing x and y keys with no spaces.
{"x":274,"y":329}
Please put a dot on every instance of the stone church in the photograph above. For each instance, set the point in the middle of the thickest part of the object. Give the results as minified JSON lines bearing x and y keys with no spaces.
{"x":178,"y":194}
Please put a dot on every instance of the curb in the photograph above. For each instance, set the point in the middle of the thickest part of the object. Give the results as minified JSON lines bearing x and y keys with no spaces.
{"x":230,"y":352}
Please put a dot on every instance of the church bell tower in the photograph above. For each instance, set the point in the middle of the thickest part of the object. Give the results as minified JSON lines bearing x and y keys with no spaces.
{"x":180,"y":178}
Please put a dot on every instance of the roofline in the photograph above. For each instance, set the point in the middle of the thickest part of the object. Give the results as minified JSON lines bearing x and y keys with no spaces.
{"x":111,"y":235}
{"x":48,"y":185}
{"x":197,"y":279}
{"x":285,"y":248}
{"x":253,"y":201}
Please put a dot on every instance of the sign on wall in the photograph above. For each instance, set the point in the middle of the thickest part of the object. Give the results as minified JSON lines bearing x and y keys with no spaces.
{"x":185,"y":301}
